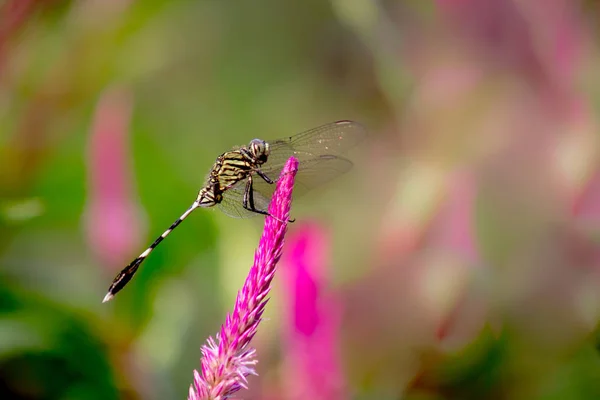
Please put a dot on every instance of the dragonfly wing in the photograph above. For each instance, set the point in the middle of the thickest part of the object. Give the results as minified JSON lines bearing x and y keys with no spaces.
{"x":311,"y":173}
{"x":318,"y":152}
{"x":233,"y":201}
{"x":330,"y":139}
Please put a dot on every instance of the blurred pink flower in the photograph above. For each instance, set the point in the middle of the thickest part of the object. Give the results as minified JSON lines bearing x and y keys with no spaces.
{"x":586,"y":206}
{"x":453,"y":227}
{"x":13,"y":15}
{"x":452,"y":235}
{"x":112,"y":217}
{"x":540,"y":40}
{"x":228,"y":359}
{"x":586,"y":213}
{"x":313,"y":319}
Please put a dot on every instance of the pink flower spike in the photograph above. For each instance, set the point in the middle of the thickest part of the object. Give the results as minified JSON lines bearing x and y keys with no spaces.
{"x":113,"y":219}
{"x":227,"y":360}
{"x":586,"y":206}
{"x":312,"y":326}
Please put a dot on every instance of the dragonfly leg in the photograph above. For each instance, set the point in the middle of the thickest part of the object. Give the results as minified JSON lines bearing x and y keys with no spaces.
{"x":248,"y":201}
{"x":265,"y":177}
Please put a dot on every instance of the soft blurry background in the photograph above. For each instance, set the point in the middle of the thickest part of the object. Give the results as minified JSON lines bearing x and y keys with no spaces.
{"x":460,"y":258}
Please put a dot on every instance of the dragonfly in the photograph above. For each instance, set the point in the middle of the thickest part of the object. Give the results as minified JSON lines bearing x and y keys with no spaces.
{"x":241,"y":181}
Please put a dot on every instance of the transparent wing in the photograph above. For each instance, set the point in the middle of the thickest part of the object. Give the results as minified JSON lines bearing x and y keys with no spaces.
{"x":233,"y":201}
{"x":317,"y":151}
{"x":330,"y":139}
{"x":311,"y":173}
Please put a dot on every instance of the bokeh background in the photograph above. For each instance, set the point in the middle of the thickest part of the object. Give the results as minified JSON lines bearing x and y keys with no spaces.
{"x":459,"y":259}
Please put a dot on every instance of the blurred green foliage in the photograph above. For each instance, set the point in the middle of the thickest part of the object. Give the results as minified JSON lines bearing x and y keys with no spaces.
{"x":204,"y":76}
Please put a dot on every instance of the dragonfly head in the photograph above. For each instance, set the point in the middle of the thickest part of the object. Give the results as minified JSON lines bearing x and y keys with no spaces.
{"x":259,"y":150}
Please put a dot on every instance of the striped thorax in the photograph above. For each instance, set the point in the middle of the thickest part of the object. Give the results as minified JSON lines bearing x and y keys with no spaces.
{"x":230,"y":168}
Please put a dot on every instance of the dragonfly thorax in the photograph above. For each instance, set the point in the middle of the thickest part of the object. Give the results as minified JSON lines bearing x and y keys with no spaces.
{"x":259,"y":150}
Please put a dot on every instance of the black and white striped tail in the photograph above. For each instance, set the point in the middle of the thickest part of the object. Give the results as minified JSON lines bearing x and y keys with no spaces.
{"x":127,"y":273}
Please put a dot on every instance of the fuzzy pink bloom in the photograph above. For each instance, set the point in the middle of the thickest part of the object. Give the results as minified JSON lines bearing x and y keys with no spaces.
{"x":228,"y":359}
{"x":544,"y":40}
{"x":453,"y":228}
{"x":586,"y":206}
{"x":13,"y":15}
{"x":113,"y":220}
{"x":313,"y":319}
{"x":452,"y":233}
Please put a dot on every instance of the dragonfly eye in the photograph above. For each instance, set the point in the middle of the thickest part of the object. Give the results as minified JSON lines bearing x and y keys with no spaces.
{"x":259,"y":150}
